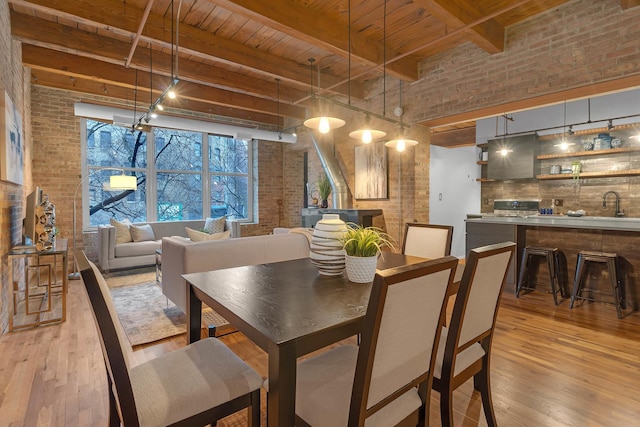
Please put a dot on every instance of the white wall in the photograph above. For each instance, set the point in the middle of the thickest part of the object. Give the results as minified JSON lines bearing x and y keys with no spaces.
{"x":454,"y":191}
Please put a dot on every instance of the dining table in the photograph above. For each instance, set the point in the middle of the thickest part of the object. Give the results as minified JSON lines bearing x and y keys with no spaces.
{"x":287,"y":309}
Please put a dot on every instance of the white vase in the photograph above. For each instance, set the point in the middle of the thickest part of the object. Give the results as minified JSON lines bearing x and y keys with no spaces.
{"x":325,"y":250}
{"x":361,"y":269}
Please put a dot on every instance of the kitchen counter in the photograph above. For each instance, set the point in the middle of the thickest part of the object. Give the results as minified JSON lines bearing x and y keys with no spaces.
{"x":562,"y":221}
{"x":570,"y":235}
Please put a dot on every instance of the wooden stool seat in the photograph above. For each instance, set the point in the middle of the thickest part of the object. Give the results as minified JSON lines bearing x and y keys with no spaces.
{"x":611,"y":261}
{"x":552,"y":257}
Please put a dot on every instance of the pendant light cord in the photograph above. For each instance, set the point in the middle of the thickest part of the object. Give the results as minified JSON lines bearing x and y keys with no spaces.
{"x":384,"y":59}
{"x":349,"y":47}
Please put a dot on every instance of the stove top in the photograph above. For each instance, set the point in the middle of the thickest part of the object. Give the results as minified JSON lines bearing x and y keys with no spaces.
{"x":515,"y":208}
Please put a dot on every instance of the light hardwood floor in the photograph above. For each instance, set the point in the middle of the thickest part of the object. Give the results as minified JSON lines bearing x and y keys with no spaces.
{"x":551,"y":366}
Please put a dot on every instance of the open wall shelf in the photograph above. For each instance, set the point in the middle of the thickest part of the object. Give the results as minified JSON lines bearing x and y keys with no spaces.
{"x":588,"y":153}
{"x":603,"y":174}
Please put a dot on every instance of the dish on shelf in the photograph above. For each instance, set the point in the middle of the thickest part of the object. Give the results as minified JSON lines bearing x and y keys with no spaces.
{"x":578,"y":213}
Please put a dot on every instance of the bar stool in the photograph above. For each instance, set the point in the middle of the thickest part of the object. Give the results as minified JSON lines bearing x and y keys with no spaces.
{"x":611,"y":261}
{"x":553,"y":264}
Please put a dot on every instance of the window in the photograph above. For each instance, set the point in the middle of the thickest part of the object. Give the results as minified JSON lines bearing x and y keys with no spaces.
{"x":174,"y":181}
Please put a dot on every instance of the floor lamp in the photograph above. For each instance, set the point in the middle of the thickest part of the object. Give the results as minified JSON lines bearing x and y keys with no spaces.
{"x":116,"y":182}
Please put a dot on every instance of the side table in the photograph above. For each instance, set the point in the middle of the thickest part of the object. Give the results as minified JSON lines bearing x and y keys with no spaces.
{"x":39,"y":285}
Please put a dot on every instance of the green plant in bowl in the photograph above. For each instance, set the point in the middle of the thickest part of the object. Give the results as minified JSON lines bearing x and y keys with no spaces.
{"x":362,"y":241}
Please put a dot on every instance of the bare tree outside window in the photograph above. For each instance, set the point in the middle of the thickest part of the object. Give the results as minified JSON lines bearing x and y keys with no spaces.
{"x":177,"y":173}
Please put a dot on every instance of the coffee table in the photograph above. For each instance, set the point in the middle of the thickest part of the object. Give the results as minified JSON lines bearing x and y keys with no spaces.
{"x":288,"y":310}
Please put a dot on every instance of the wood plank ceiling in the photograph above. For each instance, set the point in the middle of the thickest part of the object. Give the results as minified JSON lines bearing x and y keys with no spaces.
{"x":237,"y":58}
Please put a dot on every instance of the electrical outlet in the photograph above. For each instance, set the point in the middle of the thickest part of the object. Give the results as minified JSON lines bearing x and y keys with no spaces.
{"x":558,"y":202}
{"x":486,"y":201}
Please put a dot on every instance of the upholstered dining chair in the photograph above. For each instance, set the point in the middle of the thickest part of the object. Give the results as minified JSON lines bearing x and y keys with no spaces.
{"x":385,"y":381}
{"x":427,"y":240}
{"x":194,"y":385}
{"x":464,"y":350}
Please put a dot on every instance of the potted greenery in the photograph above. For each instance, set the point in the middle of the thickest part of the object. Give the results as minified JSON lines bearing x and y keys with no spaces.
{"x":362,"y":246}
{"x":324,"y":189}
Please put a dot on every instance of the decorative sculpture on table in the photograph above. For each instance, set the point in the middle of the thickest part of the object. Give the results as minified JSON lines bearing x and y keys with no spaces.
{"x":45,"y":230}
{"x":326,"y":251}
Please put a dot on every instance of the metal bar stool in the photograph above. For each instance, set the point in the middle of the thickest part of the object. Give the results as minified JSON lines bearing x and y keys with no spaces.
{"x":553,"y":264}
{"x":611,"y":261}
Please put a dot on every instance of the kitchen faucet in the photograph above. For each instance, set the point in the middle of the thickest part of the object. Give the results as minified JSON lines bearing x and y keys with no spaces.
{"x":618,"y":213}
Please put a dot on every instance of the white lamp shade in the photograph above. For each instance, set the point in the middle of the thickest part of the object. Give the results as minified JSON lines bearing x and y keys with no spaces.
{"x":401,"y":144}
{"x":324,"y":124}
{"x":123,"y":182}
{"x":367,"y":135}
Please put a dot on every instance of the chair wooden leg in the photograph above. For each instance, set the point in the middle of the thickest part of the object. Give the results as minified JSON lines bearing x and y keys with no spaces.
{"x":254,"y":411}
{"x":114,"y":416}
{"x":446,"y":407}
{"x":482,"y":383}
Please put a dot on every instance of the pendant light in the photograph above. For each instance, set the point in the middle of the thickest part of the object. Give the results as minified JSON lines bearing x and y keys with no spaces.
{"x":564,"y":142}
{"x":401,"y":143}
{"x":366,"y":134}
{"x":323,"y":123}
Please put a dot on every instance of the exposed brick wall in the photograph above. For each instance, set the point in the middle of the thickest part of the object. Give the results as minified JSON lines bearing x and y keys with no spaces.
{"x":14,"y":80}
{"x":574,"y":45}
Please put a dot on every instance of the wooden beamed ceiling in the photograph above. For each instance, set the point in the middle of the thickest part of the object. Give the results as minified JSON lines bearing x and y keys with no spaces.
{"x":237,"y":58}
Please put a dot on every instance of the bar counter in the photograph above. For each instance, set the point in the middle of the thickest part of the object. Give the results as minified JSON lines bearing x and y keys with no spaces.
{"x":563,"y":221}
{"x":570,"y":235}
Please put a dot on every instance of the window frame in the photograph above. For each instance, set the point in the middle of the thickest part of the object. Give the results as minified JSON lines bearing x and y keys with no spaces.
{"x":151,"y":174}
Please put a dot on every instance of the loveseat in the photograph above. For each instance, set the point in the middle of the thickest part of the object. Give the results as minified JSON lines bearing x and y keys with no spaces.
{"x":181,"y":256}
{"x":112,"y":255}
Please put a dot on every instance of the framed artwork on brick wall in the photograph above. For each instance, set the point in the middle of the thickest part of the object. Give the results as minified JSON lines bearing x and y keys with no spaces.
{"x":371,"y":171}
{"x":11,"y":142}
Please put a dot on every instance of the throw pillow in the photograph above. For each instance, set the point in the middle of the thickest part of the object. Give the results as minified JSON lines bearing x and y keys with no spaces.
{"x":140,"y":233}
{"x":215,"y":225}
{"x":123,"y":235}
{"x":199,"y":236}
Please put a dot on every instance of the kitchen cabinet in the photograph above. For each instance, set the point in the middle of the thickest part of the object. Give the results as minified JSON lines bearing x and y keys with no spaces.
{"x":482,"y":234}
{"x":519,"y":161}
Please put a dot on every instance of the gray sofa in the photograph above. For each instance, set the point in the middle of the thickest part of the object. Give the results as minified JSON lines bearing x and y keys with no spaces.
{"x":112,"y":256}
{"x":181,"y":256}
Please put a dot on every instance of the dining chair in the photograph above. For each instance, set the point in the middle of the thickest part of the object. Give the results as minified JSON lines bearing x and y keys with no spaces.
{"x":194,"y":385}
{"x":464,"y":350}
{"x":385,"y":381}
{"x":427,"y":240}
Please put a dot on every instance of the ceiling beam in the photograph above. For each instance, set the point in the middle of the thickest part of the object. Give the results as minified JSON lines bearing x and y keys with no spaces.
{"x":454,"y":138}
{"x":489,"y":35}
{"x":55,"y":36}
{"x":628,"y":4}
{"x":587,"y":91}
{"x":79,"y":68}
{"x":295,"y":20}
{"x":124,"y":20}
{"x":94,"y":87}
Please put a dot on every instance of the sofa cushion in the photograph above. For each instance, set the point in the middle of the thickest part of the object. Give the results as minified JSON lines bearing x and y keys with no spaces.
{"x":142,"y":233}
{"x":138,"y":248}
{"x":215,"y":225}
{"x":198,"y":236}
{"x":123,"y":234}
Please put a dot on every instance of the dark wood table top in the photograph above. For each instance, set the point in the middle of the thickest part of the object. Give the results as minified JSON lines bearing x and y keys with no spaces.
{"x":285,"y":301}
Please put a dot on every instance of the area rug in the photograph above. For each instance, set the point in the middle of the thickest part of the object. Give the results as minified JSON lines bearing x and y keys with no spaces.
{"x":147,"y":316}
